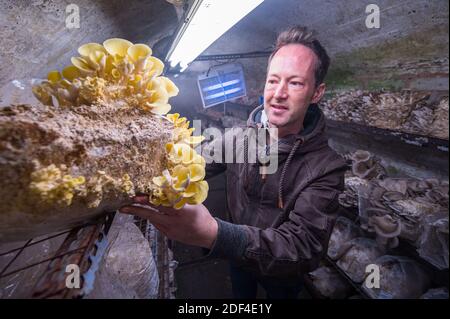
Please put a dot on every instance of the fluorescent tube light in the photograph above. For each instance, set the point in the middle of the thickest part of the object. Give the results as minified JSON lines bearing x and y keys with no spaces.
{"x":206,"y":21}
{"x":218,"y":86}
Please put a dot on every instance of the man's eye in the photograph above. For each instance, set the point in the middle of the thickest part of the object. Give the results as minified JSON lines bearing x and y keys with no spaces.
{"x":271,"y":81}
{"x":297,"y":83}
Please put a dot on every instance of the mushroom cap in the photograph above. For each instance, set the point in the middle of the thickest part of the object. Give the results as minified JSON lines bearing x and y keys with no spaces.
{"x":361,"y":156}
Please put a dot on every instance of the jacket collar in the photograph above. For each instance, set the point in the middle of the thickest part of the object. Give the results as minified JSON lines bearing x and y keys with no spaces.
{"x":313,"y":135}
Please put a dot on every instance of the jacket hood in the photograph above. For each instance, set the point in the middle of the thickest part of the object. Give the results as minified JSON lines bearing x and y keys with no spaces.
{"x":313,"y":135}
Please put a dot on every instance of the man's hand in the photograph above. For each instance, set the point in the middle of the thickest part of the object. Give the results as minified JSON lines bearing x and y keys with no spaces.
{"x":192,"y":224}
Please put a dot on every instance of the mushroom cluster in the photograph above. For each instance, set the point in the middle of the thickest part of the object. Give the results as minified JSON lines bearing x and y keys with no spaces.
{"x":55,"y":185}
{"x":125,"y":75}
{"x":116,"y":72}
{"x":364,"y":167}
{"x":182,"y":182}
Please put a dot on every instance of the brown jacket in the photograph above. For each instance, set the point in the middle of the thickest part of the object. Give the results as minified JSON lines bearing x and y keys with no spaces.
{"x":280,"y":225}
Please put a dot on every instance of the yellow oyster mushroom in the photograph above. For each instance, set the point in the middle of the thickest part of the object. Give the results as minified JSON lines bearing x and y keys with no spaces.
{"x":160,"y":181}
{"x":164,"y":181}
{"x":42,"y":93}
{"x":154,"y":85}
{"x":168,"y":199}
{"x":125,"y":67}
{"x":169,"y":86}
{"x":117,"y":47}
{"x":181,"y":133}
{"x":158,"y":102}
{"x":167,"y":176}
{"x":187,"y":187}
{"x":159,"y":198}
{"x":67,"y":198}
{"x":54,"y":76}
{"x":175,"y":118}
{"x":86,"y":49}
{"x":196,"y":172}
{"x":115,"y":73}
{"x":82,"y":65}
{"x":155,"y":200}
{"x":165,"y":84}
{"x":65,"y":97}
{"x":171,"y":198}
{"x":169,"y":147}
{"x":198,"y":159}
{"x":190,"y":190}
{"x":92,"y":89}
{"x":96,"y":60}
{"x":109,"y":64}
{"x":180,"y":203}
{"x":80,"y":180}
{"x":135,"y":83}
{"x":138,"y":51}
{"x":65,"y":84}
{"x":69,"y":186}
{"x":159,"y":108}
{"x":127,"y":185}
{"x":154,"y":67}
{"x":159,"y":95}
{"x":53,"y":187}
{"x":158,"y":192}
{"x":73,"y":181}
{"x":193,"y":140}
{"x":181,"y":175}
{"x":45,"y":179}
{"x":181,"y":153}
{"x":71,"y":72}
{"x":201,"y":192}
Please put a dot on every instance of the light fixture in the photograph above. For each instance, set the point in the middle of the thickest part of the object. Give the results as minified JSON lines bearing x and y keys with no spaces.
{"x":205,"y":22}
{"x":225,"y":83}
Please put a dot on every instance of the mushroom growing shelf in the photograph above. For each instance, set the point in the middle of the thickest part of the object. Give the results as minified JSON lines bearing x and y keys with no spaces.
{"x":37,"y":268}
{"x":390,"y":136}
{"x":439,"y":278}
{"x":416,"y":153}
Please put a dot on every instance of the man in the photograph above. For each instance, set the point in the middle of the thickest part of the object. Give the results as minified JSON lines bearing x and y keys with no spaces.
{"x":281,"y":222}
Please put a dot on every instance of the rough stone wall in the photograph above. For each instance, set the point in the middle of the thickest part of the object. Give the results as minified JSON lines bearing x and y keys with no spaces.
{"x":34,"y":38}
{"x":410,"y":50}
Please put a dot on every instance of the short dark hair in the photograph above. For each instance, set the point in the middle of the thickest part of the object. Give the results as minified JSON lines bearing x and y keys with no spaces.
{"x":301,"y":35}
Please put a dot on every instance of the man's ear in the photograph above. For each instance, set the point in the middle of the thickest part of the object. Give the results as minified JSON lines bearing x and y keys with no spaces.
{"x":318,"y":94}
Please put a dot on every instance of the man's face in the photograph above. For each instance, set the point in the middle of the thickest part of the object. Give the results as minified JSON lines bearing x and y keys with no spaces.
{"x":290,"y":87}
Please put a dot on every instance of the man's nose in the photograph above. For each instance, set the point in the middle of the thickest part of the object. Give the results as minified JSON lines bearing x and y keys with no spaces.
{"x":280,"y":91}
